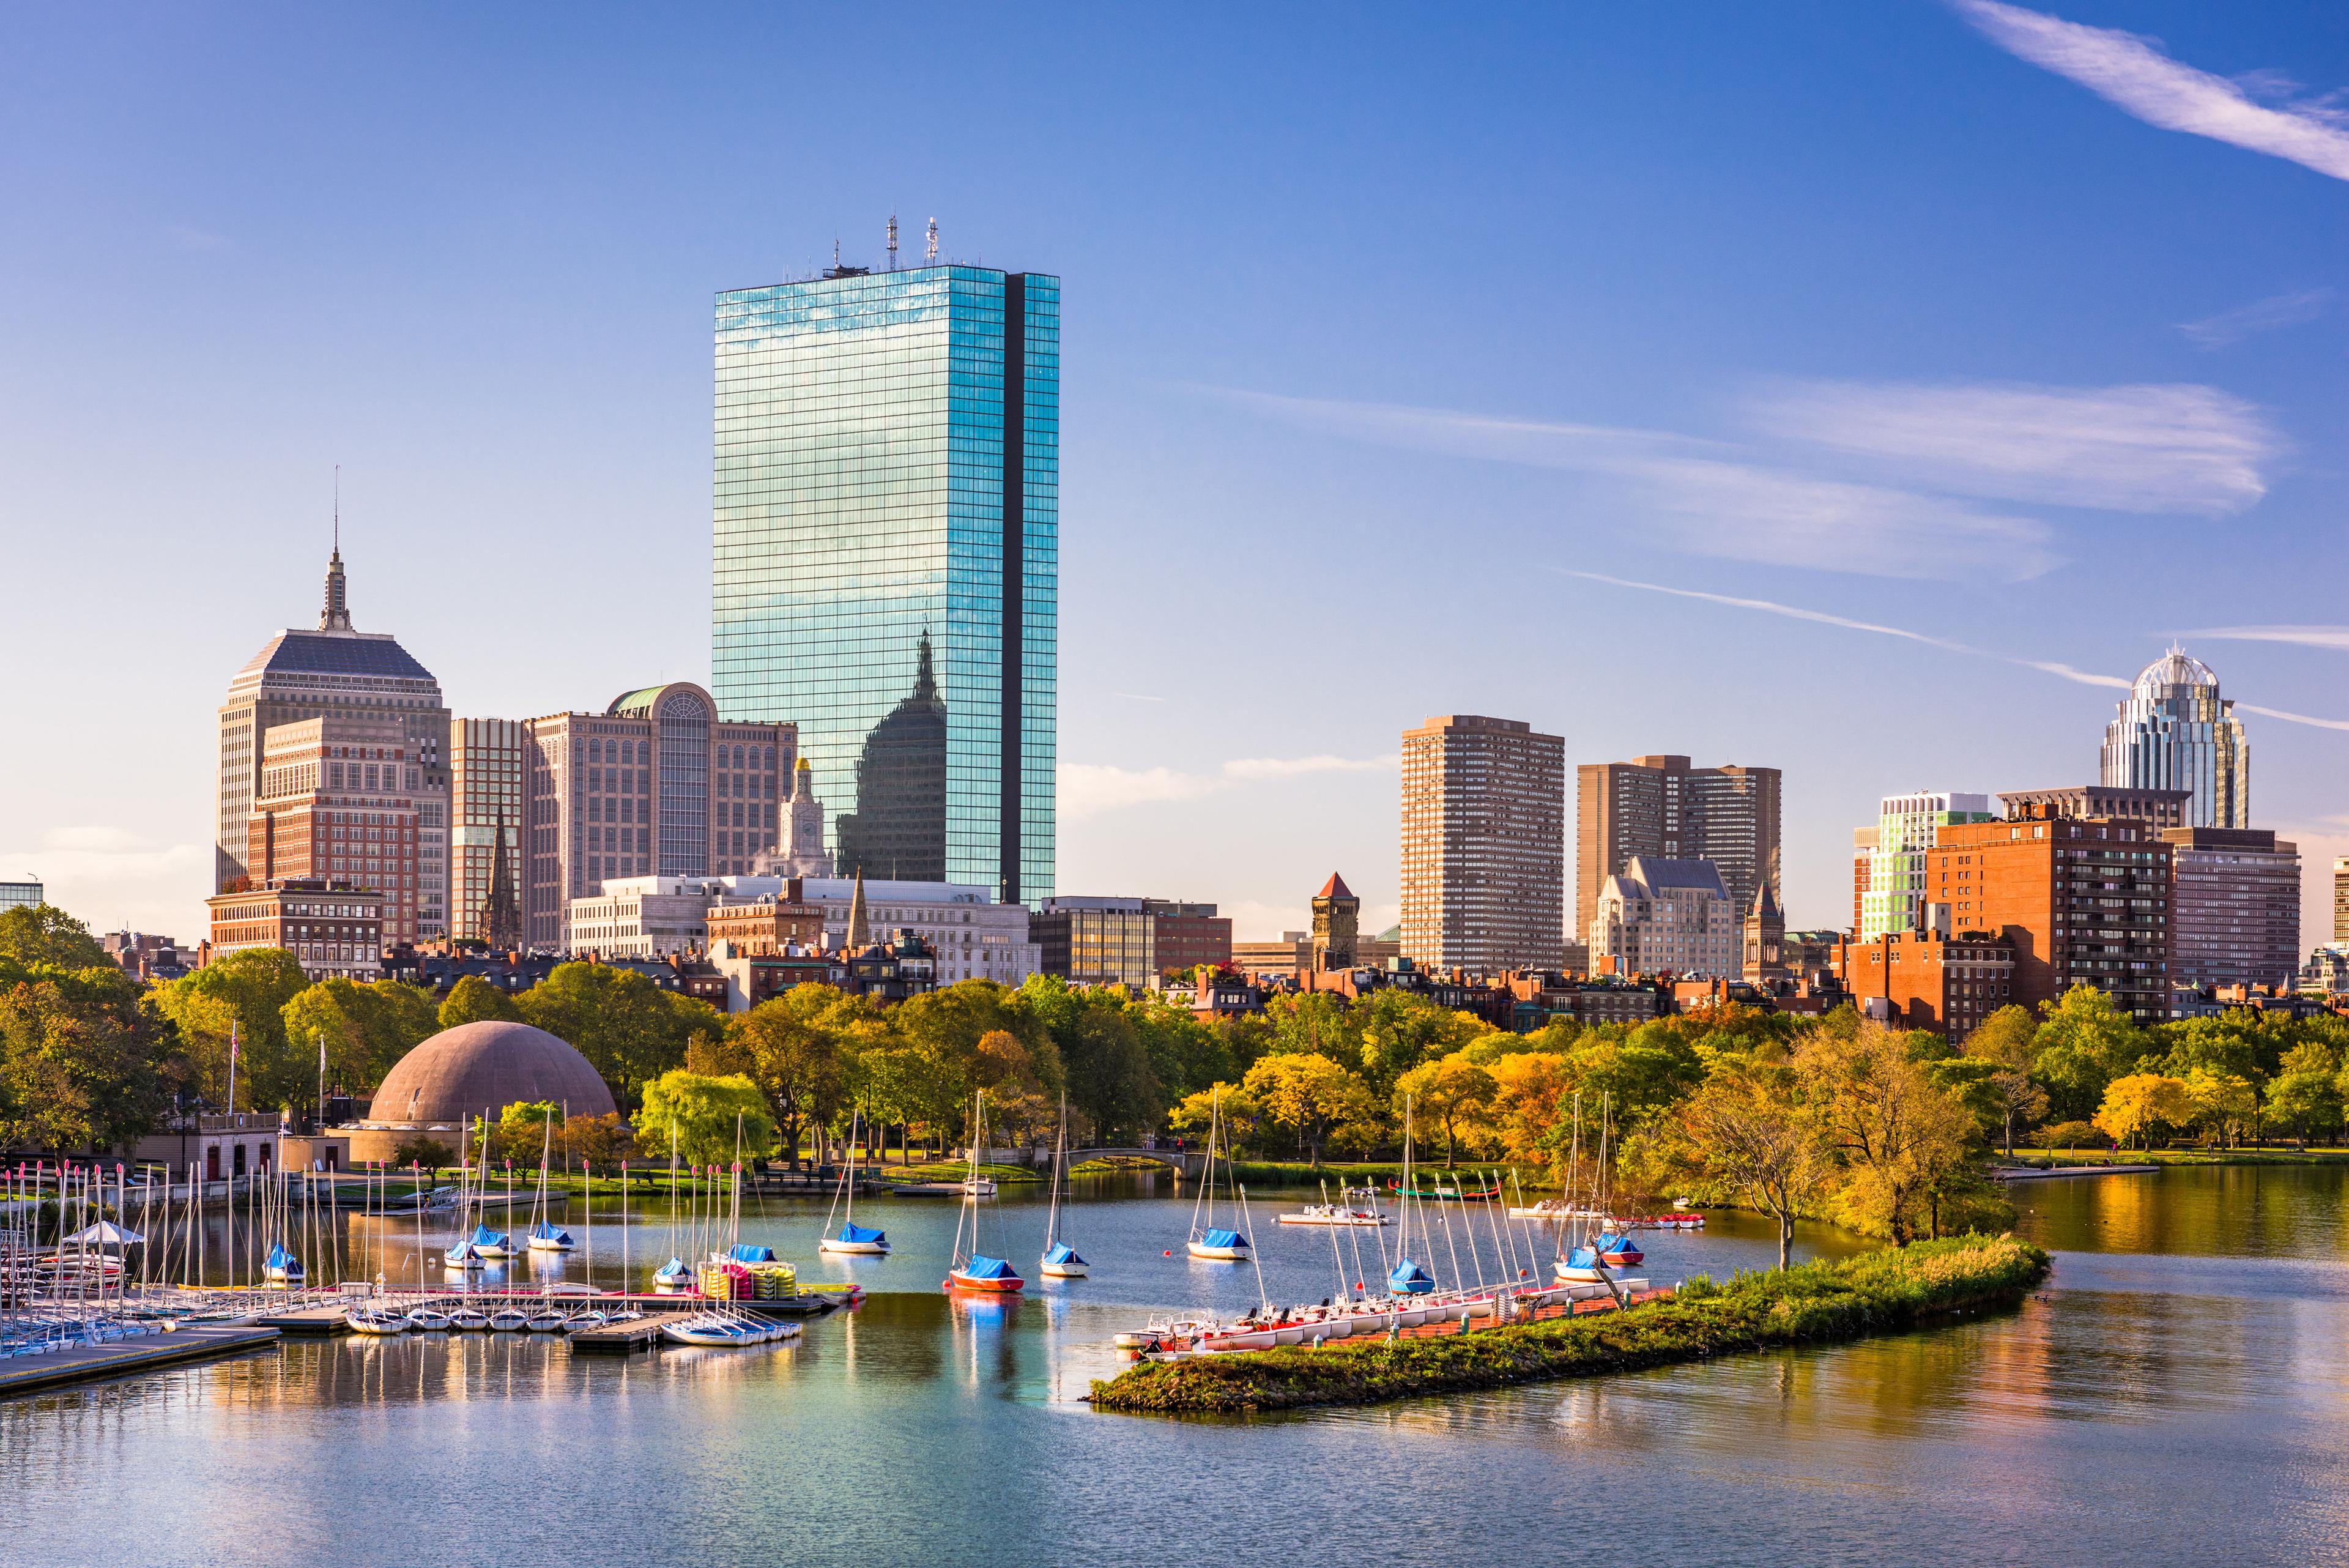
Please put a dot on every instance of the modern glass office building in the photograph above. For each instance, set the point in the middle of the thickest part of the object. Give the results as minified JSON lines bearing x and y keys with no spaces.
{"x":886,"y":557}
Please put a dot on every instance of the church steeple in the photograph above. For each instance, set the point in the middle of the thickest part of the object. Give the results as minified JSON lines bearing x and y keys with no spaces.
{"x":926,"y":682}
{"x":859,"y":934}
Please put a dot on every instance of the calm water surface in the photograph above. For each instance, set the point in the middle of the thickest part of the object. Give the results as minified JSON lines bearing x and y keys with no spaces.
{"x":2174,"y":1395}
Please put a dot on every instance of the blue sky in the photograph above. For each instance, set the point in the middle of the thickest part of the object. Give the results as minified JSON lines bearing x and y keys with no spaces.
{"x":1398,"y":345}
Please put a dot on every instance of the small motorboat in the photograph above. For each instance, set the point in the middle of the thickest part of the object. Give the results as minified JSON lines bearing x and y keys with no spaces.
{"x":1332,"y":1214}
{"x":1062,"y":1262}
{"x":980,"y":1273}
{"x":856,"y":1240}
{"x":672,"y":1277}
{"x":282,"y":1267}
{"x":469,"y":1320}
{"x":429,"y":1319}
{"x":509,"y":1320}
{"x":1219,"y":1246}
{"x":549,"y":1237}
{"x":378,"y":1320}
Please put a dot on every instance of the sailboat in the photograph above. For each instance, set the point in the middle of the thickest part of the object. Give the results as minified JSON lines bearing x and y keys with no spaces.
{"x":545,"y":1236}
{"x":282,"y":1267}
{"x":1060,"y":1261}
{"x":1217,"y":1246}
{"x":1407,"y":1278}
{"x":974,"y":1270}
{"x":853,"y":1240}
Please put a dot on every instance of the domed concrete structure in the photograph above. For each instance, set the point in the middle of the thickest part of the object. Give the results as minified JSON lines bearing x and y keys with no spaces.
{"x":484,"y":1068}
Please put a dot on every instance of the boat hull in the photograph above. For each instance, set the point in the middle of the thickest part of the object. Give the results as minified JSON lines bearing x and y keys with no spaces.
{"x":1064,"y":1271}
{"x":551,"y":1246}
{"x":1365,"y":1220}
{"x":1010,"y":1285}
{"x":853,"y":1248}
{"x":1218,"y":1255}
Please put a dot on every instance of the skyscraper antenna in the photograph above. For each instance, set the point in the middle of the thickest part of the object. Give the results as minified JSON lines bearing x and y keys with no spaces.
{"x":338,"y":509}
{"x":893,"y":242}
{"x":934,"y":239}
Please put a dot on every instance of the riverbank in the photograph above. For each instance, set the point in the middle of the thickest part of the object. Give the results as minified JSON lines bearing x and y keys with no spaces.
{"x":1877,"y":1293}
{"x":2093,"y":1159}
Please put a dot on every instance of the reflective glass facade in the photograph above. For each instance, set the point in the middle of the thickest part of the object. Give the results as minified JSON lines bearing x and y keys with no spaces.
{"x":886,"y":558}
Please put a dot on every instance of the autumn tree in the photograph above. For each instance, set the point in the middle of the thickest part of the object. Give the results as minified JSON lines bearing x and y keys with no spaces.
{"x":2136,"y":1105}
{"x":1454,"y":1090}
{"x":1748,"y":1131}
{"x":2225,"y":1103}
{"x":1901,"y":1136}
{"x":1306,"y":1093}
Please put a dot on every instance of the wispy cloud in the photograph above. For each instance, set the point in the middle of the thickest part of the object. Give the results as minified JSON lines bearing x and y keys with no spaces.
{"x":188,"y":237}
{"x":2145,"y":448}
{"x":2260,"y":315}
{"x":2332,"y":636}
{"x":1090,"y":789}
{"x":1708,"y":496}
{"x":1136,"y":697}
{"x":2132,"y":72}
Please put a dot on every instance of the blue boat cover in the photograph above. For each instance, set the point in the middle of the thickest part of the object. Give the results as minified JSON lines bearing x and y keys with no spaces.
{"x":981,"y":1267}
{"x":543,"y":1230}
{"x":851,"y":1232}
{"x":279,"y":1258}
{"x":1410,"y":1278}
{"x":1613,"y":1244}
{"x":484,"y":1237}
{"x":1222,"y":1239}
{"x":674,"y":1268}
{"x":1582,"y":1258}
{"x":1061,"y":1253}
{"x":743,"y":1253}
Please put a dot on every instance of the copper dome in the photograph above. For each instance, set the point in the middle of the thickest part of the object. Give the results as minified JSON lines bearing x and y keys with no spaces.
{"x":484,"y":1068}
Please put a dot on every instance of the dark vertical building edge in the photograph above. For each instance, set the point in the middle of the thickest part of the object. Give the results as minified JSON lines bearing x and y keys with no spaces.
{"x":1014,"y":576}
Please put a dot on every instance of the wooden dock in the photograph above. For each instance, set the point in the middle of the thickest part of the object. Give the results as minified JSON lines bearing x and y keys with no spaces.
{"x":812,"y":1300}
{"x":24,"y":1373}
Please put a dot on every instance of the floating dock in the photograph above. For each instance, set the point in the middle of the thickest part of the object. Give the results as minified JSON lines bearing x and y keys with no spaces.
{"x":124,"y":1359}
{"x":327,"y":1318}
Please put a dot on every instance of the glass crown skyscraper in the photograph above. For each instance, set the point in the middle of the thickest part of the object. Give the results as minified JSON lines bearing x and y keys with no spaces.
{"x":886,"y":567}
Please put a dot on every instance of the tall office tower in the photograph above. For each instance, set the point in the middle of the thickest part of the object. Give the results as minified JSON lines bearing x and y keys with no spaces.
{"x":2175,"y":732}
{"x":1894,"y":882}
{"x":488,"y":760}
{"x":337,"y":672}
{"x":1662,"y":807}
{"x":337,"y":802}
{"x":886,"y":567}
{"x":654,"y":785}
{"x":2234,"y":907}
{"x":1484,"y":845}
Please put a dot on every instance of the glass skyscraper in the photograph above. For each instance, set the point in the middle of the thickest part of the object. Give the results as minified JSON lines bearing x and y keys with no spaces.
{"x":885,"y":568}
{"x":2175,"y":732}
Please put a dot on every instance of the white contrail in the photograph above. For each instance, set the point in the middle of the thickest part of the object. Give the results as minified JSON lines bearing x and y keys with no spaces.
{"x":2045,"y":666}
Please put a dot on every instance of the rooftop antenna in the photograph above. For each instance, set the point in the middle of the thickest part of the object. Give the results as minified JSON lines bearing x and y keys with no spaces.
{"x":934,"y":239}
{"x":338,"y":509}
{"x":835,"y":250}
{"x":893,"y":242}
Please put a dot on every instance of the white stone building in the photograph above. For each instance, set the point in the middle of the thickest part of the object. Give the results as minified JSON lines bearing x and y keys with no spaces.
{"x":644,"y":916}
{"x":1659,"y":915}
{"x":974,"y":937}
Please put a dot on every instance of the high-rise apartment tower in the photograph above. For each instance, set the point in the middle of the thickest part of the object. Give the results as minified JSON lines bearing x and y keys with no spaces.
{"x":886,"y":560}
{"x":1484,"y":845}
{"x":2175,"y":732}
{"x":1662,"y":807}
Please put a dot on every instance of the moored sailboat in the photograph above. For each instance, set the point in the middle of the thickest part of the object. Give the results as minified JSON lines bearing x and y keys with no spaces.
{"x":973,"y":1270}
{"x":1210,"y":1241}
{"x":1060,"y":1261}
{"x":853,"y":1239}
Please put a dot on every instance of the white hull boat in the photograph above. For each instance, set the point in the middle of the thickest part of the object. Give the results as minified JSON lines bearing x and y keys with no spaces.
{"x":427,"y":1319}
{"x":381,"y":1323}
{"x":1332,"y":1214}
{"x":509,"y":1320}
{"x":469,"y":1320}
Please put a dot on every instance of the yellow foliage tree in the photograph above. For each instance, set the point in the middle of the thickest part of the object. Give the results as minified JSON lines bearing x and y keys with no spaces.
{"x":2138,"y":1104}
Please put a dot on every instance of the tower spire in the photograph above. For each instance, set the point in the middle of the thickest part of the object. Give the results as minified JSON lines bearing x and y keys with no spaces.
{"x":336,"y":616}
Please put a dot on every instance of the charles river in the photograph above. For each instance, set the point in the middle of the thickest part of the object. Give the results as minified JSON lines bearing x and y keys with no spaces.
{"x":2175,"y":1394}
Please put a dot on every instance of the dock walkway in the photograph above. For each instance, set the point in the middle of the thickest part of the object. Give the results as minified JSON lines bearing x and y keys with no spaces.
{"x":24,"y":1373}
{"x":328,"y":1318}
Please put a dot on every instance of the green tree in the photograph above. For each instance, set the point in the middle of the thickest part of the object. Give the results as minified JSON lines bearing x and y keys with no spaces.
{"x":2303,"y":1095}
{"x":1243,"y":1116}
{"x":2225,"y":1103}
{"x":1400,"y":1029}
{"x":473,"y":1000}
{"x":706,"y":1114}
{"x":795,"y":1057}
{"x":629,"y":1030}
{"x":84,"y":1062}
{"x":1311,"y":1023}
{"x":1454,"y":1090}
{"x":33,"y":934}
{"x":429,"y":1155}
{"x":247,"y":990}
{"x":1103,"y":1066}
{"x":2010,"y":1039}
{"x":366,"y":1028}
{"x":2084,"y":1042}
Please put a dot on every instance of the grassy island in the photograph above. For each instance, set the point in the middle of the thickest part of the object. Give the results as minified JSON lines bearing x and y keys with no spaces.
{"x":1818,"y":1303}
